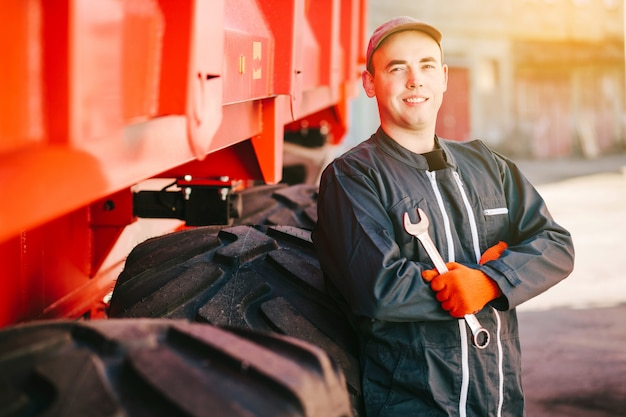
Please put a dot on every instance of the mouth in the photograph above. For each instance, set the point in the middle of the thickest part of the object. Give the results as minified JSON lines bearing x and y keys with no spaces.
{"x":415,"y":100}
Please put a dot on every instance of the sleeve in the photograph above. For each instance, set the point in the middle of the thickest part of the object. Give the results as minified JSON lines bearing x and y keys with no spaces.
{"x":540,"y":253}
{"x":355,"y":242}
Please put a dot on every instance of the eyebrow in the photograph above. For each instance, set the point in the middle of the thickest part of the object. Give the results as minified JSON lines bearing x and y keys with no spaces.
{"x":403,"y":62}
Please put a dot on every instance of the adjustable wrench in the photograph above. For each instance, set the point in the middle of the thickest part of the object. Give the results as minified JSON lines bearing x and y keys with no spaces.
{"x":480,"y":335}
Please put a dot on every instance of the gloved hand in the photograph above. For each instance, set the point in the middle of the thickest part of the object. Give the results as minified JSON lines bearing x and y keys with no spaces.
{"x":465,"y":290}
{"x":462,"y":290}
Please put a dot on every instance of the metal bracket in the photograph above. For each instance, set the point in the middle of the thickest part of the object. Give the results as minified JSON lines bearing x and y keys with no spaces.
{"x":199,"y":202}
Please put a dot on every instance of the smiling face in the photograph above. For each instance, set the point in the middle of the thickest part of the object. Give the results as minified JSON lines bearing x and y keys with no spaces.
{"x":408,"y":82}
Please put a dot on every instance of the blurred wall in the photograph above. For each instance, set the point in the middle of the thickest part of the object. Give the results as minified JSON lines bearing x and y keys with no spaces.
{"x":533,"y":78}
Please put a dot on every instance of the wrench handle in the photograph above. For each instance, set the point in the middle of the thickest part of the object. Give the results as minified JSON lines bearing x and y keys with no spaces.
{"x":432,"y":251}
{"x":480,"y":335}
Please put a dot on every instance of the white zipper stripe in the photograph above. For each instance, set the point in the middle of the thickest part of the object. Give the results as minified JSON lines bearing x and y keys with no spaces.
{"x":442,"y":209}
{"x":462,"y":325}
{"x":465,"y":368}
{"x":500,"y":364}
{"x":464,"y":346}
{"x":470,"y":214}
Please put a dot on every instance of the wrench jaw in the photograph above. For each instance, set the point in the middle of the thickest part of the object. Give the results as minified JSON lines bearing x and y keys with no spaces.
{"x":480,"y":335}
{"x":419,"y":228}
{"x":420,"y":231}
{"x":481,"y":339}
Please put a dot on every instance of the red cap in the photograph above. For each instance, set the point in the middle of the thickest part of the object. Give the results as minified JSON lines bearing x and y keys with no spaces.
{"x":396,"y":25}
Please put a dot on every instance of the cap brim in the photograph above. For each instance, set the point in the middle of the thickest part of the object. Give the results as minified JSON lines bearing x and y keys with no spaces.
{"x":420,"y":27}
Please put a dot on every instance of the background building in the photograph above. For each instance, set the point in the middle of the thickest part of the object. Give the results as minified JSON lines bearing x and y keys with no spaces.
{"x":533,"y":78}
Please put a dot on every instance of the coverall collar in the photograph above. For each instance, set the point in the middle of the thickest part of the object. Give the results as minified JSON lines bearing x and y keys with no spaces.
{"x":399,"y":152}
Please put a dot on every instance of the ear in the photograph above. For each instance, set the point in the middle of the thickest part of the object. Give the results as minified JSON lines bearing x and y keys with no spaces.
{"x":445,"y":78}
{"x":368,"y":83}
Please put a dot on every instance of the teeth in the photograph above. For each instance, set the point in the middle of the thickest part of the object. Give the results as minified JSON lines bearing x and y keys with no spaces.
{"x":416,"y":100}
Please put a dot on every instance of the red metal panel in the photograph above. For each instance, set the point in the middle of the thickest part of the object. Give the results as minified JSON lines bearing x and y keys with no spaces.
{"x":235,"y":162}
{"x":143,"y":29}
{"x":324,"y":18}
{"x":310,"y":60}
{"x":248,"y":52}
{"x":339,"y":28}
{"x":205,"y":83}
{"x":107,"y":219}
{"x":100,"y":95}
{"x":21,"y":118}
{"x":85,"y":148}
{"x":268,"y":146}
{"x":353,"y":38}
{"x":95,"y":97}
{"x":191,"y":81}
{"x":95,"y":91}
{"x":175,"y":57}
{"x":13,"y":294}
{"x":53,"y":263}
{"x":286,"y":20}
{"x":266,"y":132}
{"x":55,"y":28}
{"x":41,"y":183}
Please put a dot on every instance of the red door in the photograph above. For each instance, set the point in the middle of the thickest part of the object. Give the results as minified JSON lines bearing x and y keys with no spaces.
{"x":453,"y":120}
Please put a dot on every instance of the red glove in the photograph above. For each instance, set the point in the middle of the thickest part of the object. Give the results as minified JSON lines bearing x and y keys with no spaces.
{"x":493,"y":252}
{"x":463,"y":290}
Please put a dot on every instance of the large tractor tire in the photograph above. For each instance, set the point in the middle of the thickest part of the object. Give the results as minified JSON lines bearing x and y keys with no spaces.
{"x":278,"y":204}
{"x":152,"y":367}
{"x":265,"y":278}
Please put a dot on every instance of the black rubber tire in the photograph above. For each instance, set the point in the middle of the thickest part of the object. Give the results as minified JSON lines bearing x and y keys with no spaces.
{"x":261,"y":278}
{"x":152,"y":367}
{"x":278,"y":204}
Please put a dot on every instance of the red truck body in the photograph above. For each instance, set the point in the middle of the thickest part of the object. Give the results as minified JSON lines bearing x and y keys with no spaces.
{"x":100,"y":96}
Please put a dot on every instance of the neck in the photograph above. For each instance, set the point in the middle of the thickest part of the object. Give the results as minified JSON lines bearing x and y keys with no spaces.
{"x":416,"y":141}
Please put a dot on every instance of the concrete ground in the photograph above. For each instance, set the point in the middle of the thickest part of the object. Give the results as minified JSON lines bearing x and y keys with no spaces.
{"x":573,"y":336}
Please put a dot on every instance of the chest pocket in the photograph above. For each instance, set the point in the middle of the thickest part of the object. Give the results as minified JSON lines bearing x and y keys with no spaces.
{"x":494,"y":219}
{"x":409,"y":246}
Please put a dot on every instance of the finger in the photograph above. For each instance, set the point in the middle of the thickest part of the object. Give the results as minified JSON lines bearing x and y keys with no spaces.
{"x":429,"y":275}
{"x":452,"y":266}
{"x":456,"y":313}
{"x":437,"y":284}
{"x":493,"y":252}
{"x":442,"y":296}
{"x":447,"y":305}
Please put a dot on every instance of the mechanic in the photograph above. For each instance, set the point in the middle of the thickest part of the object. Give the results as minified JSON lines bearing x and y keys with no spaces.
{"x":500,"y":242}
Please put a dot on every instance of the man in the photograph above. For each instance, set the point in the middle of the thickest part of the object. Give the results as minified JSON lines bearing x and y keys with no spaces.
{"x":488,"y":222}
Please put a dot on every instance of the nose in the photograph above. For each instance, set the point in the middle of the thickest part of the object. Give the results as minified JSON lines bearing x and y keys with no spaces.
{"x":413,"y":80}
